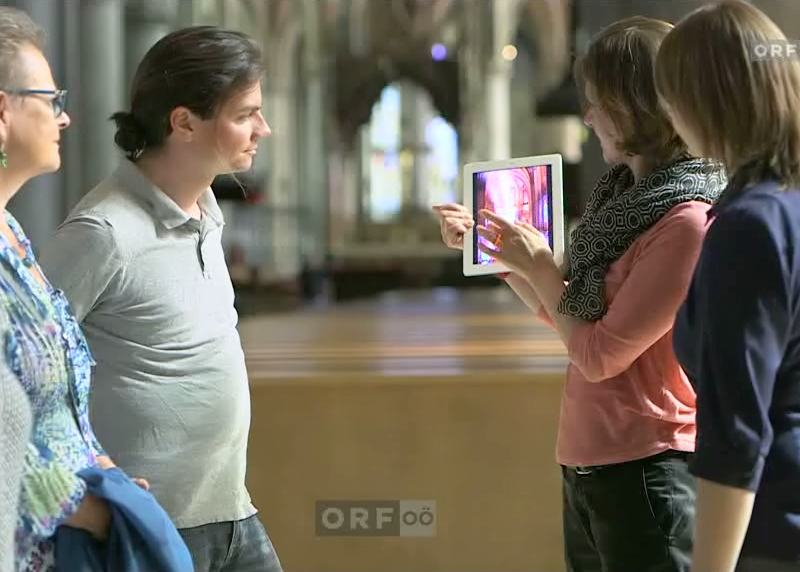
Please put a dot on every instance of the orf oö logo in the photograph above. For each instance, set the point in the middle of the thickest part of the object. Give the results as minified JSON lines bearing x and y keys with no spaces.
{"x":376,"y":518}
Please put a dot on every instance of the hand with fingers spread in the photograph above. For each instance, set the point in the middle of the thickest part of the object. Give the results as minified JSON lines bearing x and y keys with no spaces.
{"x":454,"y":221}
{"x":517,"y":245}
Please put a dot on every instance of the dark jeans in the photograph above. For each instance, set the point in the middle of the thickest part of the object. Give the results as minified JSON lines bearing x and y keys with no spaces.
{"x":630,"y":516}
{"x":241,"y":546}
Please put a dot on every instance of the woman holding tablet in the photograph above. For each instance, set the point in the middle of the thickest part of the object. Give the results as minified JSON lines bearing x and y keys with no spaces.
{"x":627,"y":424}
{"x":738,"y":332}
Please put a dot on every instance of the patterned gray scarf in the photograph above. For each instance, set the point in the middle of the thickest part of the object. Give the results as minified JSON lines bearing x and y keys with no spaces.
{"x":618,"y":212}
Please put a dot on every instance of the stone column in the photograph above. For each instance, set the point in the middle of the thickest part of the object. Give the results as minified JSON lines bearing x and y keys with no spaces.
{"x":233,"y":15}
{"x":262,"y":23}
{"x":498,"y":80}
{"x":72,"y":147}
{"x":409,"y":145}
{"x":415,"y":114}
{"x":314,"y":139}
{"x":39,"y":205}
{"x":472,"y":138}
{"x":146,"y":22}
{"x":185,"y":13}
{"x":423,"y":115}
{"x":345,"y":196}
{"x":102,"y":74}
{"x":283,"y":186}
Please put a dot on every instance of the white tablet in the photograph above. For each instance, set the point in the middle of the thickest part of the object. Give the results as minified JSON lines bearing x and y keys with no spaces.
{"x":528,"y":189}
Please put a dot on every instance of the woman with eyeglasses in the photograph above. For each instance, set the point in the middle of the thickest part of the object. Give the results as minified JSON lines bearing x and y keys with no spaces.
{"x":42,"y":349}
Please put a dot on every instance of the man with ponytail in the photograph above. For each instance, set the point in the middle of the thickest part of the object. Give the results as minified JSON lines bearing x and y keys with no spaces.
{"x":140,"y":259}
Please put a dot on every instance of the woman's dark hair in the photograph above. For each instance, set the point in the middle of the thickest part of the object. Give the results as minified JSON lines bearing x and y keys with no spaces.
{"x":200,"y":68}
{"x":618,"y":66}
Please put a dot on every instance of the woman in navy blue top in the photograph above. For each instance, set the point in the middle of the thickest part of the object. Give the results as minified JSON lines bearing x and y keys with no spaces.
{"x":733,"y":95}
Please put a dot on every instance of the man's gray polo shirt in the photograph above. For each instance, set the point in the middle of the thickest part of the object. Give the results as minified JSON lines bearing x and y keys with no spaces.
{"x":170,"y":398}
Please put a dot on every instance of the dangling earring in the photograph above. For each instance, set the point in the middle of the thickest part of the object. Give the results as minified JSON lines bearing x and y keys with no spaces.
{"x":3,"y":157}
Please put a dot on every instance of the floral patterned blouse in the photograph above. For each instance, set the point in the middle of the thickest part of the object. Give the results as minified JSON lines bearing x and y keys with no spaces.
{"x":45,"y":348}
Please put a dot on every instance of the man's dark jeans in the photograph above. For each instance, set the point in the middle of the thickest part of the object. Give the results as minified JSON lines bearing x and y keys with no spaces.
{"x":635,"y":516}
{"x":241,"y":546}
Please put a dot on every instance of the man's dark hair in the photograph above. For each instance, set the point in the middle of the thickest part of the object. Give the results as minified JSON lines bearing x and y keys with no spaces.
{"x":200,"y":68}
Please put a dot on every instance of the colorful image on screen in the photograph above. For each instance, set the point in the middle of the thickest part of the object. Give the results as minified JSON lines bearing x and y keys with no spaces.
{"x":523,"y":194}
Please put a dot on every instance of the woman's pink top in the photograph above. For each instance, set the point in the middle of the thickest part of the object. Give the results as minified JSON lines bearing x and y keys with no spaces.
{"x":626,"y":397}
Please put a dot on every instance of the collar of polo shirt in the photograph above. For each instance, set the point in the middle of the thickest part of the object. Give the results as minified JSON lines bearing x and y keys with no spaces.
{"x":163,"y":208}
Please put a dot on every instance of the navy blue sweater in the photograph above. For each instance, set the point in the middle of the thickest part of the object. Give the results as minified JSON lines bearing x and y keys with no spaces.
{"x":737,"y":336}
{"x":142,"y":537}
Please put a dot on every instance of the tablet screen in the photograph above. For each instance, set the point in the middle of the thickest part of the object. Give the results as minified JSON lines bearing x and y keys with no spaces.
{"x":523,"y":194}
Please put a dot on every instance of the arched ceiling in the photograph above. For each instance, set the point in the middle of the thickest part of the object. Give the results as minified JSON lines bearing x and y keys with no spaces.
{"x":390,"y":40}
{"x":372,"y":43}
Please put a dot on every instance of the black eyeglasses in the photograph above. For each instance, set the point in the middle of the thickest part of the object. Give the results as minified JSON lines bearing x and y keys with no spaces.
{"x":58,"y":101}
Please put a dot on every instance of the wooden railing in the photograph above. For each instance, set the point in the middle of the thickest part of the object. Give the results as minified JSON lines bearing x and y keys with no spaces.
{"x":433,"y":396}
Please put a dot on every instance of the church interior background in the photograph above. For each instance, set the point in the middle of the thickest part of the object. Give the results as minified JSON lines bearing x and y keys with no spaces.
{"x":378,"y":371}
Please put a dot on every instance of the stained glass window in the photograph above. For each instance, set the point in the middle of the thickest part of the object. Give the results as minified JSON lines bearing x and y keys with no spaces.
{"x":441,"y":163}
{"x":438,"y":159}
{"x":385,"y":191}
